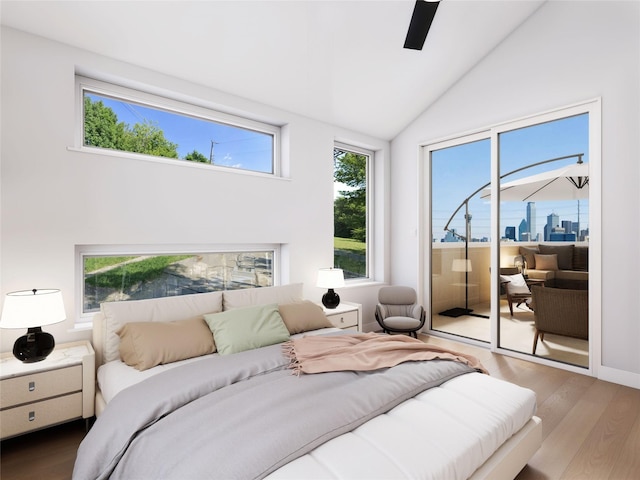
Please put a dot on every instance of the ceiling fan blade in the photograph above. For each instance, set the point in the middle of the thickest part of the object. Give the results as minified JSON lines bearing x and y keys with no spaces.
{"x":423,"y":14}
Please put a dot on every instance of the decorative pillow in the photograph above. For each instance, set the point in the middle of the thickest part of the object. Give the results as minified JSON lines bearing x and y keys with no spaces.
{"x":146,"y":344}
{"x":515,"y":283}
{"x":246,"y":328}
{"x":564,"y":252}
{"x":167,"y":309}
{"x":303,"y":316}
{"x":547,"y":262}
{"x":529,"y":256}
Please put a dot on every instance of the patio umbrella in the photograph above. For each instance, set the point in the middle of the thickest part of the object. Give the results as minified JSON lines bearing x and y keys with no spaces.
{"x":565,"y":183}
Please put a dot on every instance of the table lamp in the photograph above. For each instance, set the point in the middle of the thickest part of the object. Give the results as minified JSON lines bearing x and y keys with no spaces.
{"x":31,"y":309}
{"x":330,"y":278}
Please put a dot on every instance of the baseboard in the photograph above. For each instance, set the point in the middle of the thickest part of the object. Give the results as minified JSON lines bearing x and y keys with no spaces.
{"x":621,"y":377}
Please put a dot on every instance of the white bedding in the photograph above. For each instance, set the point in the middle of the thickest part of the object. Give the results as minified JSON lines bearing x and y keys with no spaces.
{"x":443,"y":433}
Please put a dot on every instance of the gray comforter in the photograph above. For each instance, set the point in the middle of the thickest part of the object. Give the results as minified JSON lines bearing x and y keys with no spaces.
{"x":240,"y":416}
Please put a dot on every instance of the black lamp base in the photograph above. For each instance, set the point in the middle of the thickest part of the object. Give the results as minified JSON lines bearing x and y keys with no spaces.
{"x":331,"y":299}
{"x":35,"y":346}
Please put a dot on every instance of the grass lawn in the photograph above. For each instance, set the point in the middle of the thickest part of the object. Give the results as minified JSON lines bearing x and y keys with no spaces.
{"x":350,"y":245}
{"x":351,"y":256}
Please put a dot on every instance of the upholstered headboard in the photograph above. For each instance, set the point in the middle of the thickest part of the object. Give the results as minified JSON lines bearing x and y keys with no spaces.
{"x":113,"y":315}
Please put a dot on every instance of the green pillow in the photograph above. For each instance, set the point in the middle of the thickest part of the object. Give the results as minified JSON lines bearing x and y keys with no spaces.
{"x":246,"y":328}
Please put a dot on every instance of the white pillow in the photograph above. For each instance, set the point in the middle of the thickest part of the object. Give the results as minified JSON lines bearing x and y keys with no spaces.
{"x":515,"y":283}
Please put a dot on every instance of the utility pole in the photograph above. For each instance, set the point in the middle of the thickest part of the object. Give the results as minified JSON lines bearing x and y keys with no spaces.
{"x":211,"y":151}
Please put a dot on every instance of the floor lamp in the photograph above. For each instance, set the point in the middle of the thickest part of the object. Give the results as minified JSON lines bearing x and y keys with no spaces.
{"x":463,"y":265}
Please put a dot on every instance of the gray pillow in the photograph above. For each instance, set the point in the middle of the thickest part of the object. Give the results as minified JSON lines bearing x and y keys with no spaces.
{"x":529,"y":255}
{"x":247,"y":328}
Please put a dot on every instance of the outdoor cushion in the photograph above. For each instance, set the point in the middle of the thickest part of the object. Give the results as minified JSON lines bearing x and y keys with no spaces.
{"x":564,"y":252}
{"x":547,"y":262}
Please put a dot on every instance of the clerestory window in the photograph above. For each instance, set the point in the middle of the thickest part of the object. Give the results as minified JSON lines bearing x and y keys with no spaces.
{"x":123,"y":274}
{"x":119,"y":119}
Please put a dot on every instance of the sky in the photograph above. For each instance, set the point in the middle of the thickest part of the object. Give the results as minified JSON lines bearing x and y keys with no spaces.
{"x":233,"y":147}
{"x":458,"y":171}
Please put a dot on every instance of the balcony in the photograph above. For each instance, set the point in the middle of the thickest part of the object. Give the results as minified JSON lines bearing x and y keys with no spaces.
{"x":516,"y":332}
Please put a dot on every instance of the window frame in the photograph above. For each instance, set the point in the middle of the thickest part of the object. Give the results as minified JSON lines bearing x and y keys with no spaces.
{"x":170,"y":103}
{"x":370,"y":216}
{"x":81,"y":251}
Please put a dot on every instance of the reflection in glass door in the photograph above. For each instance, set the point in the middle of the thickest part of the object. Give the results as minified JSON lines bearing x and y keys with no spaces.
{"x":460,"y":240}
{"x":544,"y":212}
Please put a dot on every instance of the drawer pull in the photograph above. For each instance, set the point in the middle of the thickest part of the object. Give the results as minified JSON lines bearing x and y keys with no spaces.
{"x":341,"y":319}
{"x":32,"y":386}
{"x":32,"y":416}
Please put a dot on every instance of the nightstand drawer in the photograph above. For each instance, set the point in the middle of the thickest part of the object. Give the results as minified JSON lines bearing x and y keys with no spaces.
{"x":17,"y":420}
{"x":37,"y":386}
{"x":344,"y":320}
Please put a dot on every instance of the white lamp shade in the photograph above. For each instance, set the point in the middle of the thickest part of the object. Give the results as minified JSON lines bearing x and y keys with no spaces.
{"x":461,"y":265}
{"x":330,"y":278}
{"x":29,"y":308}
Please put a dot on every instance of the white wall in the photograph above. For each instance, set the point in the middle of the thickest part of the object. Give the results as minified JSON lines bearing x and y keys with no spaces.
{"x":54,"y":199}
{"x":566,"y":53}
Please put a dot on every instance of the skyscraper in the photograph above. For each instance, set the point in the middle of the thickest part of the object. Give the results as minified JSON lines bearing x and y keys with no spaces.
{"x":552,"y":222}
{"x":531,"y":220}
{"x":523,"y":231}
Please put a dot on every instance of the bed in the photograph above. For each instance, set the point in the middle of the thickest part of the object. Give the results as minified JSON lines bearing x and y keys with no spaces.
{"x":243,"y":414}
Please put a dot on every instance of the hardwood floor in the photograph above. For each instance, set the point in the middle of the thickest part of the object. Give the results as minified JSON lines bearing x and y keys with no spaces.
{"x":46,"y":454}
{"x":591,"y":428}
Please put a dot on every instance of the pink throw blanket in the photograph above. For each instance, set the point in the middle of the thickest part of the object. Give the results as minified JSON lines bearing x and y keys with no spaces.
{"x":365,"y":351}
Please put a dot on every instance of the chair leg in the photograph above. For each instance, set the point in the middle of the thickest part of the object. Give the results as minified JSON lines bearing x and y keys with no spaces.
{"x":535,"y":341}
{"x":510,"y":306}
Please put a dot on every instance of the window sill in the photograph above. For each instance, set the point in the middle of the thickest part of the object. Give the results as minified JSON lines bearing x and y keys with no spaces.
{"x":174,"y":162}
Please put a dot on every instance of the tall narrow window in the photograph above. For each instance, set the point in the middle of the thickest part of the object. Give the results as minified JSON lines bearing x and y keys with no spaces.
{"x":351,"y":236}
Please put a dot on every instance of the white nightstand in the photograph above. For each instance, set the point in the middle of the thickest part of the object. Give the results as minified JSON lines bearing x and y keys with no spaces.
{"x":347,"y":316}
{"x":58,"y":389}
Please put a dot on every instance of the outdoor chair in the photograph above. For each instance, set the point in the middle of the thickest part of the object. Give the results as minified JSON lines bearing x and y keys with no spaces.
{"x":398,"y":311}
{"x":560,"y":311}
{"x":515,"y":286}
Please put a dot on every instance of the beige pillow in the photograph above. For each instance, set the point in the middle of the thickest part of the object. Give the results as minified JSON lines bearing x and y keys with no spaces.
{"x":146,"y":344}
{"x":303,"y":316}
{"x":547,"y":262}
{"x":564,"y":252}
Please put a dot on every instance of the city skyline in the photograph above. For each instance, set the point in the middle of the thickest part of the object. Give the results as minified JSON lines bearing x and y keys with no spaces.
{"x":460,"y":170}
{"x":579,"y":228}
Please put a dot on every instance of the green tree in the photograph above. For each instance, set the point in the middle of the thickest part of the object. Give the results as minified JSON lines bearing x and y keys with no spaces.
{"x":148,"y":138}
{"x":350,"y":208}
{"x":101,"y":126}
{"x":102,"y":129}
{"x":196,"y":156}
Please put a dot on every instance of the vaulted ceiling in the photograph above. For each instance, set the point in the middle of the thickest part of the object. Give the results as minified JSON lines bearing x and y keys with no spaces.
{"x":341,"y":62}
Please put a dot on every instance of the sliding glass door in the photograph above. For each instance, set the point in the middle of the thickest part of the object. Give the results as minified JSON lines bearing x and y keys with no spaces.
{"x":544,"y":243}
{"x":508,"y":235}
{"x":460,"y":234}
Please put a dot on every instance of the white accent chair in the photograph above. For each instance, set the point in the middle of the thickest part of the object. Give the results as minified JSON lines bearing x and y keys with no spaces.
{"x":398,"y":311}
